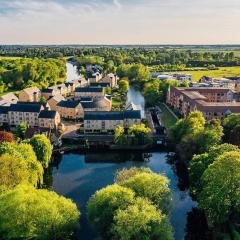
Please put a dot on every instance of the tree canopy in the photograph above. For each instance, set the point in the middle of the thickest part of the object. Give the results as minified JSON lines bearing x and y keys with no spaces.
{"x":28,"y":213}
{"x":221,"y":183}
{"x":42,"y":147}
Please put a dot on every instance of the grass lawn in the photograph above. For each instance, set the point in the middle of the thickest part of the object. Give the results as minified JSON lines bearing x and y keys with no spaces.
{"x":167,"y":118}
{"x":221,"y":72}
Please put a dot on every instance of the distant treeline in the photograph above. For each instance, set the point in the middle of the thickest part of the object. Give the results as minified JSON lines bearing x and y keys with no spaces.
{"x":16,"y":74}
{"x":148,"y":56}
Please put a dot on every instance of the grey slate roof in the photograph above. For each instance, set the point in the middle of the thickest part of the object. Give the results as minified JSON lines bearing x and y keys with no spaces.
{"x":88,"y":104}
{"x":89,"y":89}
{"x":68,"y":104}
{"x":47,"y":114}
{"x":25,"y":107}
{"x":112,"y":115}
{"x":100,"y":84}
{"x":4,"y":109}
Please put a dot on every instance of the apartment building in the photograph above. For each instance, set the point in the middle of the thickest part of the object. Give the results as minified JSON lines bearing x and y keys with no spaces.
{"x":33,"y":114}
{"x":94,"y":92}
{"x":95,"y":77}
{"x":110,"y":79}
{"x":103,"y":122}
{"x":32,"y":94}
{"x":70,"y":109}
{"x":212,"y":102}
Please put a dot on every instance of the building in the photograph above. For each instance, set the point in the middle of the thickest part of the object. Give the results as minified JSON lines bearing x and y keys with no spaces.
{"x":94,"y":92}
{"x":8,"y":99}
{"x":53,"y":101}
{"x":176,"y":76}
{"x":107,"y":122}
{"x":212,"y":102}
{"x":95,"y":77}
{"x":70,"y":109}
{"x":49,"y":92}
{"x":49,"y":119}
{"x":4,"y":115}
{"x":110,"y":79}
{"x":32,"y":94}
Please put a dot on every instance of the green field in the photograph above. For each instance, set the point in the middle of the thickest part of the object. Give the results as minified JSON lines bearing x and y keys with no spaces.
{"x":221,"y":72}
{"x":167,"y":117}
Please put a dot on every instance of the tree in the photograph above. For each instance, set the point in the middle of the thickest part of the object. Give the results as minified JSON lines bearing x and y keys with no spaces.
{"x":119,"y":136}
{"x":125,"y":174}
{"x":152,"y":186}
{"x":221,"y":183}
{"x":28,"y":213}
{"x":21,"y":130}
{"x":123,"y":86}
{"x":20,"y":157}
{"x":151,"y":92}
{"x":103,"y":205}
{"x":14,"y":170}
{"x":140,"y":133}
{"x":43,"y":148}
{"x":199,"y":163}
{"x":6,"y":137}
{"x":231,"y":126}
{"x":141,"y":221}
{"x":43,"y":100}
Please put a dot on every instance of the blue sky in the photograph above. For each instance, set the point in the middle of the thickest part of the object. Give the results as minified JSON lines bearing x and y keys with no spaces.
{"x":120,"y":21}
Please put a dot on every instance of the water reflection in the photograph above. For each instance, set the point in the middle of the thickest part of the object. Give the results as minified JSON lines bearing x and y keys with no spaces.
{"x":78,"y":176}
{"x":136,"y":98}
{"x":72,"y":72}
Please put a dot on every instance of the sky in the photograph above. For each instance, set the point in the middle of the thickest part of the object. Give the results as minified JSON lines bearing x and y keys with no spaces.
{"x":119,"y":21}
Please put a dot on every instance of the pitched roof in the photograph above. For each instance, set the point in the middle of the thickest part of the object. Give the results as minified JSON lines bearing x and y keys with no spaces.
{"x":101,"y":84}
{"x":68,"y":104}
{"x":57,"y":98}
{"x":89,"y":104}
{"x":47,"y":114}
{"x":31,"y":90}
{"x":86,"y":99}
{"x":4,"y":109}
{"x":25,"y":107}
{"x":112,"y":115}
{"x":9,"y":97}
{"x":89,"y":89}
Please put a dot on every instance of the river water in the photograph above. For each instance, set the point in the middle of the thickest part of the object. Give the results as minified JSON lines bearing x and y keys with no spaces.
{"x":78,"y":176}
{"x":72,"y":72}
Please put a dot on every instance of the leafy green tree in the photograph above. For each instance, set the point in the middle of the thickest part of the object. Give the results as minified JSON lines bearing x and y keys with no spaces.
{"x":119,"y":136}
{"x":43,"y":100}
{"x":199,"y":163}
{"x":28,"y":213}
{"x":123,"y":86}
{"x":13,"y":171}
{"x":103,"y":205}
{"x":221,"y":183}
{"x":231,"y":126}
{"x":21,"y":130}
{"x":152,"y":186}
{"x":140,"y":133}
{"x":42,"y":147}
{"x":22,"y":156}
{"x":151,"y":92}
{"x":124,"y":174}
{"x":141,"y":221}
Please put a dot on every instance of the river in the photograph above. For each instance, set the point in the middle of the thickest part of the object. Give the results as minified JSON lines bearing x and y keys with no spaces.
{"x":72,"y":72}
{"x":77,"y":176}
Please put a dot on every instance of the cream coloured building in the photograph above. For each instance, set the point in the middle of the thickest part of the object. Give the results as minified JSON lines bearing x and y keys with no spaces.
{"x":53,"y":101}
{"x":32,"y":94}
{"x":70,"y":109}
{"x":103,"y":122}
{"x":94,"y":92}
{"x":8,"y":99}
{"x":49,"y":119}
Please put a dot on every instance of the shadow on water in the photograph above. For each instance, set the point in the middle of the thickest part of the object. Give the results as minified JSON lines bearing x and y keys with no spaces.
{"x":78,"y":176}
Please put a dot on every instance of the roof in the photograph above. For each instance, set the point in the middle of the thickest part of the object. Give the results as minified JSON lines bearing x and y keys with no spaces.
{"x":101,"y":84}
{"x":89,"y":104}
{"x":89,"y":89}
{"x":112,"y":115}
{"x":57,"y":98}
{"x":4,"y":109}
{"x":25,"y":107}
{"x":31,"y":90}
{"x":9,"y":97}
{"x":47,"y":114}
{"x":86,"y":99}
{"x":68,"y":104}
{"x":47,"y":90}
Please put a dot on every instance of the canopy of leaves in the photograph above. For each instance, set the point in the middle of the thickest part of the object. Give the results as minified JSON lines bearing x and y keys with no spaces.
{"x":6,"y":137}
{"x":141,"y":221}
{"x":200,"y":163}
{"x":124,"y":174}
{"x":231,"y":126}
{"x":19,"y":156}
{"x":221,"y":183}
{"x":103,"y":204}
{"x":21,"y":130}
{"x":152,"y":186}
{"x":27,"y":213}
{"x":43,"y":148}
{"x":123,"y":86}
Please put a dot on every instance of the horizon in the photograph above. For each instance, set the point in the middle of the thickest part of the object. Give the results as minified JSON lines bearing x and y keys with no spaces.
{"x":119,"y":22}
